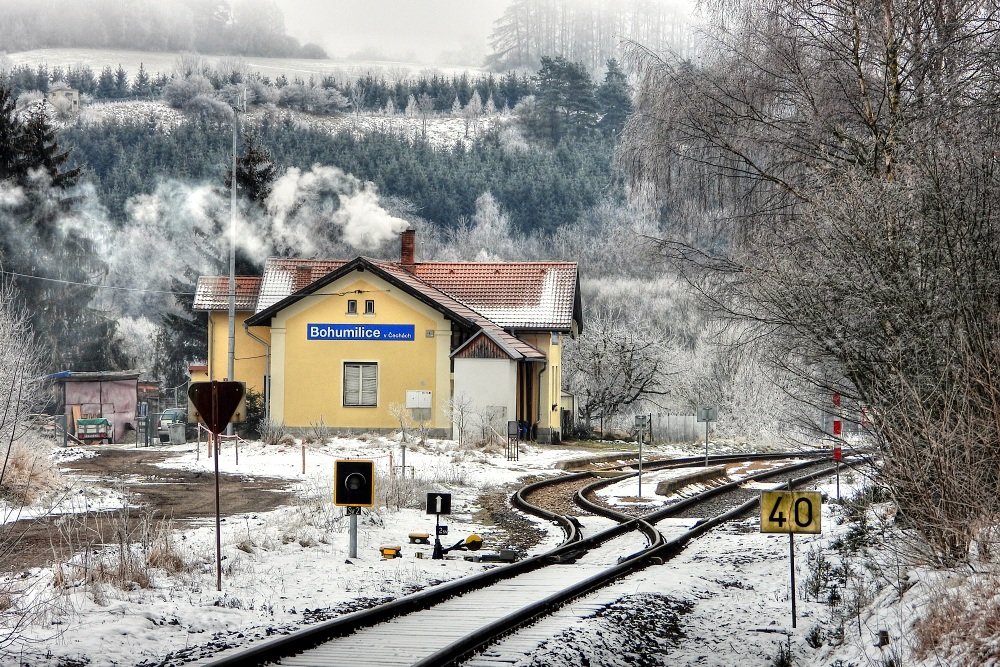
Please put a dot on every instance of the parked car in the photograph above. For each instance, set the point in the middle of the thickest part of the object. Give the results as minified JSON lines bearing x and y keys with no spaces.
{"x":170,"y":416}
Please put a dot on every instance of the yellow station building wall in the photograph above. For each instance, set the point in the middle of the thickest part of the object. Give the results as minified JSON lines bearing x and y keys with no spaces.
{"x":307,"y":375}
{"x":548,"y":385}
{"x":250,"y":358}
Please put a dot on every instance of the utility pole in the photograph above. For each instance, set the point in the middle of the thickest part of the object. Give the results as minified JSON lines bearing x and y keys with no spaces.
{"x":231,"y":358}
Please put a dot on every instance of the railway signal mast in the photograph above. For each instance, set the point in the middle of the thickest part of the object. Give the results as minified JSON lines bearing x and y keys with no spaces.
{"x":438,"y":504}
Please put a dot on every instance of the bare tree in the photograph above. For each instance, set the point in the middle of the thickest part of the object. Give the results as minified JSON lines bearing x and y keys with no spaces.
{"x":615,"y":363}
{"x":22,"y":476}
{"x":472,"y":111}
{"x":459,"y":410}
{"x":357,"y":96}
{"x":425,"y":105}
{"x":829,"y":169}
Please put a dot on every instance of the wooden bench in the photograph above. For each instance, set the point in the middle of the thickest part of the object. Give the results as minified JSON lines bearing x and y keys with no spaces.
{"x":420,"y":538}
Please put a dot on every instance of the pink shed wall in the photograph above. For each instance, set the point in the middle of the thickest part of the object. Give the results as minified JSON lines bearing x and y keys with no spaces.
{"x":113,"y":399}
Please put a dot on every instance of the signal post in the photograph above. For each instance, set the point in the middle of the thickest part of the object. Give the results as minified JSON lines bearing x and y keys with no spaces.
{"x":353,"y":488}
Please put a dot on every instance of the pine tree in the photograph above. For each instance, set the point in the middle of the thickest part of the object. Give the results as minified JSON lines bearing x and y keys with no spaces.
{"x":566,"y":97}
{"x":38,"y":148}
{"x":106,"y":83}
{"x":11,"y":164}
{"x":255,"y":170}
{"x":121,"y":83}
{"x":614,"y":99}
{"x":142,"y":86}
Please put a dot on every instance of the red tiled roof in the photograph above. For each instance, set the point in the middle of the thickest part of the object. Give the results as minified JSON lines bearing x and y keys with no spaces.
{"x":494,"y":296}
{"x":212,"y":293}
{"x":514,"y":346}
{"x":515,"y":295}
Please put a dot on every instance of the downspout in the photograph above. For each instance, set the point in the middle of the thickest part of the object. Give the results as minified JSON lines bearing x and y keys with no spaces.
{"x":267,"y":370}
{"x":538,"y":400}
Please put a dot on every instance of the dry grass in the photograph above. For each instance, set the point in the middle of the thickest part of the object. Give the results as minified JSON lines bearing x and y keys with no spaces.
{"x":29,"y":474}
{"x":966,"y":615}
{"x":139,"y":547}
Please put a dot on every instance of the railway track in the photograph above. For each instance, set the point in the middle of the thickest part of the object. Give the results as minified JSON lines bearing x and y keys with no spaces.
{"x":450,"y":622}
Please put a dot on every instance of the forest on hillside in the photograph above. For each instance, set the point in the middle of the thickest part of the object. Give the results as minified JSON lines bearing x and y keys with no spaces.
{"x":137,"y":214}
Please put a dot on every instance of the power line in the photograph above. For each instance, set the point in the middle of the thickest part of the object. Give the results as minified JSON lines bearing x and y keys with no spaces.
{"x":94,"y":285}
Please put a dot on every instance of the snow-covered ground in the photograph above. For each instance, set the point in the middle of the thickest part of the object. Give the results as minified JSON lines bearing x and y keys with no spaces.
{"x":442,"y":130}
{"x":724,"y":601}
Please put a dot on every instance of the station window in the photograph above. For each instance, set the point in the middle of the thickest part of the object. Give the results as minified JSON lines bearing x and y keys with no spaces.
{"x":369,"y":306}
{"x":360,"y":384}
{"x":352,"y":306}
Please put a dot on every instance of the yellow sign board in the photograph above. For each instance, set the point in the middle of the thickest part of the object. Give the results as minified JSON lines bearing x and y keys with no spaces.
{"x":791,"y":512}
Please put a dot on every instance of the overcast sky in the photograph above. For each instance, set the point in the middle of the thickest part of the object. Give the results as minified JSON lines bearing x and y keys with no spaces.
{"x":420,"y":29}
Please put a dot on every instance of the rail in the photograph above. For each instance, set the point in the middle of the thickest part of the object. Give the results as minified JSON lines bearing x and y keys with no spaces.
{"x":572,"y":546}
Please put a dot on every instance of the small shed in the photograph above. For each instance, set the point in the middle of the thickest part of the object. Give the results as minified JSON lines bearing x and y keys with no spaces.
{"x":63,"y":98}
{"x":110,"y":395}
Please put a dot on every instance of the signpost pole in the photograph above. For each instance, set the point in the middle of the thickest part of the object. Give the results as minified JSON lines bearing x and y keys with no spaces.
{"x":791,"y":557}
{"x":438,"y":553}
{"x":791,"y":553}
{"x":838,"y":481}
{"x":641,"y":434}
{"x":706,"y":443}
{"x":352,"y":545}
{"x":218,"y":522}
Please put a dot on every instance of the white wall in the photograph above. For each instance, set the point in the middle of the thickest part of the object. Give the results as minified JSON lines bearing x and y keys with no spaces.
{"x":486,"y":382}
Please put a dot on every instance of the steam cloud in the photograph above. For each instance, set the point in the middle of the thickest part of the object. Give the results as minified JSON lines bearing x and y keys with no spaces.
{"x":303,"y":204}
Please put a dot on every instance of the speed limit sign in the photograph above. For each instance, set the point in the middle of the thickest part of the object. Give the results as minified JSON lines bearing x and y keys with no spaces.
{"x":790,"y":512}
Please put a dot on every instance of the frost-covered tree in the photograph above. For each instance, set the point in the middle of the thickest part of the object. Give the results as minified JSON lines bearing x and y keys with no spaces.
{"x":487,"y":236}
{"x":472,"y":111}
{"x":830,"y":172}
{"x":617,"y":362}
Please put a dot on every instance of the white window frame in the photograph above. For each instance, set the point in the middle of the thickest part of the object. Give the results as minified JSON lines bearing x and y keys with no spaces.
{"x":369,"y":302}
{"x":360,"y":388}
{"x":352,"y":306}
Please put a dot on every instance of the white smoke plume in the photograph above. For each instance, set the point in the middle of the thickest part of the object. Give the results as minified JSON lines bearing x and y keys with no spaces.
{"x":313,"y":211}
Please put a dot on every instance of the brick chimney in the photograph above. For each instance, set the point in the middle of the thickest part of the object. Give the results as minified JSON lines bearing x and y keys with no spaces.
{"x":407,"y":242}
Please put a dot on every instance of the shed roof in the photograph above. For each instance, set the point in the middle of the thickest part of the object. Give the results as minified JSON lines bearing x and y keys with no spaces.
{"x":212,"y":293}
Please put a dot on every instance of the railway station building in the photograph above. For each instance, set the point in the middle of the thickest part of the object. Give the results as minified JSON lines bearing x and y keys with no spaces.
{"x":352,"y":344}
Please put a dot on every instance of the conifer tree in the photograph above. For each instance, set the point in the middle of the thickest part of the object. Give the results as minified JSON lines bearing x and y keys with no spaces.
{"x":121,"y":83}
{"x":39,"y":149}
{"x":614,"y":99}
{"x":106,"y":83}
{"x":10,"y":132}
{"x":255,"y":170}
{"x":142,"y":86}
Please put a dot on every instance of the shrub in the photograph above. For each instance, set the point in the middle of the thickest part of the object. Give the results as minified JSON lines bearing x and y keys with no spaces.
{"x":29,"y":473}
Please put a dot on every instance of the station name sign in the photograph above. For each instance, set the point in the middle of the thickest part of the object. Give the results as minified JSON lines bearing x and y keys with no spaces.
{"x":371,"y":332}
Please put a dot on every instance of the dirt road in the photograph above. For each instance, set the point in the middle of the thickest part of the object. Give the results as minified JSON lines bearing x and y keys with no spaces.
{"x":184,"y":496}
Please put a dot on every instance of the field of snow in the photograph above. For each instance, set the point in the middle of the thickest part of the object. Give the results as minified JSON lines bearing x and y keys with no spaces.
{"x":155,"y":62}
{"x":724,"y":601}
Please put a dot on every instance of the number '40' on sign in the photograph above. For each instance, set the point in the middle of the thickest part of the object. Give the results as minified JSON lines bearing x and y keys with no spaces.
{"x":791,"y":512}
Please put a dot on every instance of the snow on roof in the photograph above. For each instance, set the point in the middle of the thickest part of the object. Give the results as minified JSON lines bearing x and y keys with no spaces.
{"x":212,"y":293}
